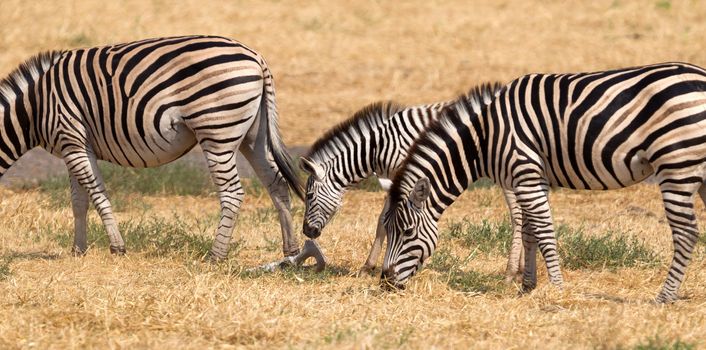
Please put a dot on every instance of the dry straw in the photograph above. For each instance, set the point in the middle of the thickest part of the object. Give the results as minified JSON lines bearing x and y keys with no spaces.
{"x":329,"y":59}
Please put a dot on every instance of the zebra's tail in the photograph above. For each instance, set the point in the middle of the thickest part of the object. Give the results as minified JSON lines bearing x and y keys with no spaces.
{"x":274,"y":139}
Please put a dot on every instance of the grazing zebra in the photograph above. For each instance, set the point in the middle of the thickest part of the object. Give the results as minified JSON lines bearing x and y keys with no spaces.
{"x":144,"y":104}
{"x":602,"y":130}
{"x":375,"y":140}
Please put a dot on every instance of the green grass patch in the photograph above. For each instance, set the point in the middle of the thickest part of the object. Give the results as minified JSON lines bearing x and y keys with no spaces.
{"x":487,"y":237}
{"x":464,"y":281}
{"x":124,"y":185}
{"x":609,"y":250}
{"x":369,"y":184}
{"x":153,"y":236}
{"x":657,"y":343}
{"x":481,"y":183}
{"x":577,"y":250}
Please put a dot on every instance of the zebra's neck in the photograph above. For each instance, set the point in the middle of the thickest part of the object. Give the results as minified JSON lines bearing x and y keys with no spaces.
{"x":398,"y":134}
{"x":450,"y":169}
{"x":451,"y":153}
{"x":18,"y":107}
{"x":347,"y":151}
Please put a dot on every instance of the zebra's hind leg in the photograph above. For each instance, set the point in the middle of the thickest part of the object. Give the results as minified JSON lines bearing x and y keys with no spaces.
{"x":79,"y":205}
{"x":678,"y":197}
{"x":83,"y":169}
{"x":376,"y":248}
{"x":224,"y":174}
{"x":529,"y":241}
{"x":515,"y":262}
{"x":535,"y":207}
{"x":267,"y":171}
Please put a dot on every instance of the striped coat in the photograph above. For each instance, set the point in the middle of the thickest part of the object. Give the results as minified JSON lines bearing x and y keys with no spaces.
{"x":144,"y":104}
{"x":598,"y":131}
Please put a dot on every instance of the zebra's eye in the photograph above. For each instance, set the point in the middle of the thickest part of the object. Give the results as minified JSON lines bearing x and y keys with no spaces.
{"x":408,"y":231}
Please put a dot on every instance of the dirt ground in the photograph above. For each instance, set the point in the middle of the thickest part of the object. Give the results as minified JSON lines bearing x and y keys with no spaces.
{"x":330,"y":58}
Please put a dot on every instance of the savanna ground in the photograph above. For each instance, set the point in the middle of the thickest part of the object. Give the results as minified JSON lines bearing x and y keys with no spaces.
{"x":329,"y":59}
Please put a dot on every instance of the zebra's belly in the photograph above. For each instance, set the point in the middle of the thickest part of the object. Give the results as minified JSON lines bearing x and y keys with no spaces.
{"x":155,"y":150}
{"x":623,"y":173}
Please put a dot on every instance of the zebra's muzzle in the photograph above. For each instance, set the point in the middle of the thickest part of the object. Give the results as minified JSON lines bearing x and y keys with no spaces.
{"x":388,"y":280}
{"x":311,"y":231}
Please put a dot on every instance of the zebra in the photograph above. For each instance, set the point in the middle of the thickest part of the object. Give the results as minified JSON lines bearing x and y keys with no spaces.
{"x":145,"y":104}
{"x":594,"y":131}
{"x":374,"y":141}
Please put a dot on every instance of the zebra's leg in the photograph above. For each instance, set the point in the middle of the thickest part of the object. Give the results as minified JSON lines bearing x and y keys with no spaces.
{"x":515,"y":261}
{"x":535,"y":207}
{"x":529,"y":241}
{"x":79,"y":205}
{"x":224,"y":173}
{"x":380,"y":234}
{"x":83,"y":167}
{"x":678,"y":197}
{"x":266,"y":169}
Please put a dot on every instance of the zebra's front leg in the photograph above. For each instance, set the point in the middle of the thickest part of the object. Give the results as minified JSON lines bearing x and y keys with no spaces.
{"x":535,"y":207}
{"x":515,"y":262}
{"x":678,"y":200}
{"x":224,"y":174}
{"x":376,"y":248}
{"x":83,"y":169}
{"x":79,"y":205}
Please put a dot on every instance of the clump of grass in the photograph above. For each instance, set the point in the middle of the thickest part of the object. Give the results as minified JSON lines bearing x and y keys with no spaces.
{"x":176,"y":178}
{"x":464,"y":281}
{"x":608,"y":250}
{"x":481,"y":183}
{"x":123,"y":183}
{"x":369,"y":184}
{"x":576,"y":249}
{"x":154,"y":236}
{"x":657,"y":343}
{"x":487,"y":237}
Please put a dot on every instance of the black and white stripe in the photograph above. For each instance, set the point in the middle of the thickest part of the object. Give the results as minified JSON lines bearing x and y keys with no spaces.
{"x":144,"y":104}
{"x":602,"y":130}
{"x":375,"y":140}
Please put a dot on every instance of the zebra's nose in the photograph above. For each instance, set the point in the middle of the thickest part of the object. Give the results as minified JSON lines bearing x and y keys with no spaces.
{"x":388,"y":279}
{"x":311,"y":231}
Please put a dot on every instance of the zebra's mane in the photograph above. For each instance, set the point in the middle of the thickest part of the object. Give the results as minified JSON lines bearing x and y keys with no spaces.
{"x":26,"y":74}
{"x":438,"y":131}
{"x":361,"y":122}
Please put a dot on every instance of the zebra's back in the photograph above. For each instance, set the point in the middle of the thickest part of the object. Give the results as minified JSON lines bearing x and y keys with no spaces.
{"x":146,"y":103}
{"x":606,"y":130}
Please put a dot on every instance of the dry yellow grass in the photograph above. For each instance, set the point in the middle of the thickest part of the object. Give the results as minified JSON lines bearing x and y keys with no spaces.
{"x":329,"y":59}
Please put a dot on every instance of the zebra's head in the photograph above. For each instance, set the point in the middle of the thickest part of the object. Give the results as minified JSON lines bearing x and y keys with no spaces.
{"x":323,"y":198}
{"x":411,"y":237}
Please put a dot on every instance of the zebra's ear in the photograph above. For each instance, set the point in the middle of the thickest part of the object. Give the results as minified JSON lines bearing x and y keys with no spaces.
{"x":420,"y":193}
{"x":311,"y":168}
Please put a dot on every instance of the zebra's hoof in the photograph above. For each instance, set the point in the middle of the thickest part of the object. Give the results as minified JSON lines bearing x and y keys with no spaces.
{"x":527,"y":287}
{"x":78,"y":252}
{"x":366,"y":271}
{"x":214,"y":258}
{"x":311,"y":250}
{"x":117,"y":250}
{"x":663,"y":298}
